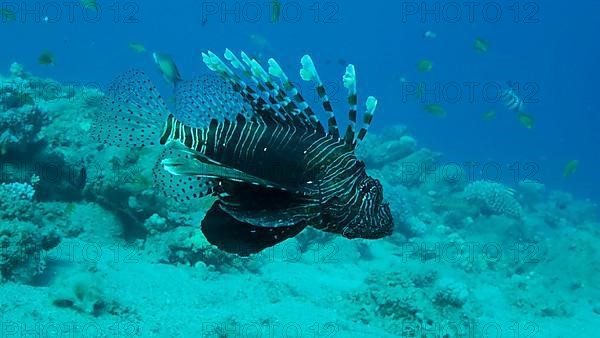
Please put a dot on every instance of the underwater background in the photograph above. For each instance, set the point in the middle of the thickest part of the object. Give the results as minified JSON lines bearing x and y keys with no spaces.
{"x":495,"y":207}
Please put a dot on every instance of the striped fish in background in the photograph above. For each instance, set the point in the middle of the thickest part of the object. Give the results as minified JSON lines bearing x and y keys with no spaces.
{"x":248,"y":137}
{"x":511,"y":99}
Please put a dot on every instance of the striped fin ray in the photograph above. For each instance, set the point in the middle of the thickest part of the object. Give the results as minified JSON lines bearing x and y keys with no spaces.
{"x":309,"y":73}
{"x":256,"y":74}
{"x":254,"y":98}
{"x":214,"y":63}
{"x":268,"y":89}
{"x":301,"y":105}
{"x":367,"y":118}
{"x":349,"y":80}
{"x":268,"y":98}
{"x":275,"y":95}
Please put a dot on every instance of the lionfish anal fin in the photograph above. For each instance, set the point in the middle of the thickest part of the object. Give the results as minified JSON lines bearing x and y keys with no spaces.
{"x":235,"y":236}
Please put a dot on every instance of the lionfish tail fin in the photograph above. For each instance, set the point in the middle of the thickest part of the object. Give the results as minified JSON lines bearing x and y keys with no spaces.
{"x":132,"y":113}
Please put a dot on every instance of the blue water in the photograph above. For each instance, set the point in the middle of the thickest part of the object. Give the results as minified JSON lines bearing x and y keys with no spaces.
{"x":156,"y":267}
{"x":548,"y":45}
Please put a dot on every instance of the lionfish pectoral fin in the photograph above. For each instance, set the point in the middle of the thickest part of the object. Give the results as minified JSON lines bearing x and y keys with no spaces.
{"x":244,"y":239}
{"x":208,"y":97}
{"x":188,"y":162}
{"x":132,"y":113}
{"x":180,"y":188}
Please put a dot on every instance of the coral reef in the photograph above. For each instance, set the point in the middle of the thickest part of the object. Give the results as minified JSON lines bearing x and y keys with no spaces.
{"x":23,"y":244}
{"x":394,"y":144}
{"x":23,"y":250}
{"x":493,"y":198}
{"x":188,"y":246}
{"x":86,"y":235}
{"x":451,"y":293}
{"x":16,"y":201}
{"x":20,"y":122}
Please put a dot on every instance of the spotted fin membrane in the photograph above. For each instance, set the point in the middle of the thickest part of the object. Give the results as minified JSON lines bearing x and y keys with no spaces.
{"x":205,"y":98}
{"x":132,"y":112}
{"x":132,"y":116}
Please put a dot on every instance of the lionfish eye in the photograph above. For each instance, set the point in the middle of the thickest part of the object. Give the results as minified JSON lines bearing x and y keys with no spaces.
{"x":364,"y":188}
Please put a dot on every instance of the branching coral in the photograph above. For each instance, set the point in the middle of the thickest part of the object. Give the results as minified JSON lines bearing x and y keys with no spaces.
{"x":20,"y":118}
{"x":22,"y":244}
{"x":451,"y":293}
{"x":22,"y":250}
{"x":16,"y":201}
{"x":19,"y":126}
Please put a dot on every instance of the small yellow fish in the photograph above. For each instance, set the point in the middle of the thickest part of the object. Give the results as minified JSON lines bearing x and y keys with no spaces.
{"x":89,"y":4}
{"x":7,"y":14}
{"x":276,"y":11}
{"x":526,"y":120}
{"x":571,"y":168}
{"x":435,"y":109}
{"x":489,"y":115}
{"x":46,"y":58}
{"x":480,"y":45}
{"x":424,"y":66}
{"x":138,"y":47}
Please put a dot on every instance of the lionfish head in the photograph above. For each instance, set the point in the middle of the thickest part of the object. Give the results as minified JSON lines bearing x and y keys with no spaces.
{"x":373,"y":216}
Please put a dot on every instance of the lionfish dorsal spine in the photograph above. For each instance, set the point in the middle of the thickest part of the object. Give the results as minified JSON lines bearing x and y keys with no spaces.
{"x":258,"y":103}
{"x":349,"y":80}
{"x":367,"y":118}
{"x":277,"y":101}
{"x":269,"y":101}
{"x":276,"y":71}
{"x":309,"y":73}
{"x":214,"y":63}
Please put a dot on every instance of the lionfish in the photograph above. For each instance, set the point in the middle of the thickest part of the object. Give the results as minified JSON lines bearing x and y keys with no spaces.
{"x":249,"y":138}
